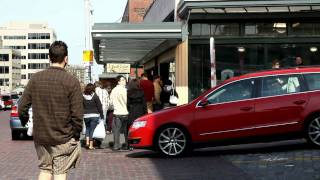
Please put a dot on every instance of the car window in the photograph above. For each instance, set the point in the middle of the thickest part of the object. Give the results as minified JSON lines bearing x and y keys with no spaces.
{"x":278,"y":85}
{"x":232,"y":92}
{"x":313,"y":81}
{"x":14,"y":96}
{"x":5,"y":98}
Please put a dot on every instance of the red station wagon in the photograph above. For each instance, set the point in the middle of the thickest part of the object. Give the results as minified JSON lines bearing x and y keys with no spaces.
{"x":257,"y":107}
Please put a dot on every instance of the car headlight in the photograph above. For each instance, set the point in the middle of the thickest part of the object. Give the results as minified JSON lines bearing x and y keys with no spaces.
{"x":138,"y":124}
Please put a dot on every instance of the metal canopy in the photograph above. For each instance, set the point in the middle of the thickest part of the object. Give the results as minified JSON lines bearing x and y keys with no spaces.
{"x":247,"y":6}
{"x":133,"y":43}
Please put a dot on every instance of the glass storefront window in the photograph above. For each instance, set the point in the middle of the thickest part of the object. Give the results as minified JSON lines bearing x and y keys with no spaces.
{"x":230,"y":29}
{"x":251,"y":58}
{"x":265,"y":29}
{"x":298,"y":28}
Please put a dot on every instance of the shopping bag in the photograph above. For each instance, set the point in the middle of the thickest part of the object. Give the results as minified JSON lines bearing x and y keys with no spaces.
{"x":30,"y":127}
{"x":83,"y":128}
{"x":173,"y":99}
{"x":100,"y":131}
{"x":30,"y":124}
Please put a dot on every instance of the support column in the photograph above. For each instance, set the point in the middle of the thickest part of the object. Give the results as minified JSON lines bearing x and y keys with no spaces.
{"x":182,"y":72}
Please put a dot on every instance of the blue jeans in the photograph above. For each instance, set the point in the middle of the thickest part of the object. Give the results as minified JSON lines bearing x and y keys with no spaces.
{"x":91,"y":124}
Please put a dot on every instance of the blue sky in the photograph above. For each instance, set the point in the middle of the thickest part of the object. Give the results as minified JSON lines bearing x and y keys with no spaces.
{"x":65,"y":16}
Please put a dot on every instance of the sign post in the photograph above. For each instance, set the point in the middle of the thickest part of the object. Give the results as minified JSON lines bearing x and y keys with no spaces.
{"x":88,"y":61}
{"x":213,"y":63}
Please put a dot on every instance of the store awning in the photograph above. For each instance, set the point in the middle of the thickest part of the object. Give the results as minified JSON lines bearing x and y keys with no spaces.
{"x":133,"y":43}
{"x":246,"y":6}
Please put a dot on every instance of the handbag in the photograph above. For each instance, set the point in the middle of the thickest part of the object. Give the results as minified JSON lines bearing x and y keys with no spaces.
{"x":173,"y":99}
{"x":30,"y":124}
{"x":30,"y":128}
{"x":100,"y":131}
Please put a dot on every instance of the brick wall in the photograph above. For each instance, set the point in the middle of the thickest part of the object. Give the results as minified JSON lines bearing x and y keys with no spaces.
{"x":137,"y":10}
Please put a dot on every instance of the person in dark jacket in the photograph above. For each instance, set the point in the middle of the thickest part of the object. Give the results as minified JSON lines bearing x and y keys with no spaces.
{"x":166,"y":92}
{"x":136,"y":102}
{"x":92,"y":112}
{"x":56,"y":99}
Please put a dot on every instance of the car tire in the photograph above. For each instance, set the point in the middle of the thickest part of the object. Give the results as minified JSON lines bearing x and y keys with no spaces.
{"x":15,"y":135}
{"x":172,"y":141}
{"x":313,"y":131}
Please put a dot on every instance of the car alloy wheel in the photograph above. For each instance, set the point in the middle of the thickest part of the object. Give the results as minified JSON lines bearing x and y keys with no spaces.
{"x":314,"y":131}
{"x":172,"y":141}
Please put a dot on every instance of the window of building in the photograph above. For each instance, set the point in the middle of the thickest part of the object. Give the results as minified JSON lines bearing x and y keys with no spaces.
{"x":38,"y":65}
{"x":230,"y":29}
{"x":23,"y":76}
{"x":304,"y":28}
{"x":14,"y":47}
{"x":39,"y":36}
{"x":30,"y":75}
{"x":4,"y":69}
{"x":23,"y":66}
{"x":4,"y":57}
{"x":38,"y":56}
{"x":14,"y":56}
{"x":4,"y":82}
{"x":14,"y":37}
{"x":38,"y":46}
{"x":266,"y":29}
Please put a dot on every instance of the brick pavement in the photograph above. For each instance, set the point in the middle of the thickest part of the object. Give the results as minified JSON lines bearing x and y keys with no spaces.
{"x":288,"y":160}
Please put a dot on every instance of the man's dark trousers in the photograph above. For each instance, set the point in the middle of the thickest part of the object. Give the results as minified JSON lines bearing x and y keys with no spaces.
{"x":119,"y":124}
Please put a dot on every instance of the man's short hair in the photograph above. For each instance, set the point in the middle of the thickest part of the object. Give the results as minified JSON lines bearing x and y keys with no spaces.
{"x":58,"y":51}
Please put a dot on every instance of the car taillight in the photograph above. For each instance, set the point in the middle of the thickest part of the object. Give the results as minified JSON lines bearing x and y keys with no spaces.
{"x":14,"y":112}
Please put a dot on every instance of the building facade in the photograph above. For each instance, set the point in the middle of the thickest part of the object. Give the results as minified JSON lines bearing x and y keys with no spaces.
{"x":78,"y":71}
{"x":247,"y":36}
{"x":136,"y":10}
{"x":10,"y":70}
{"x":33,"y":41}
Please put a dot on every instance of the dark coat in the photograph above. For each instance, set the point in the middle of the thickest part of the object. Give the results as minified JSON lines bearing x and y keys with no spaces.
{"x":136,"y":104}
{"x":56,"y":99}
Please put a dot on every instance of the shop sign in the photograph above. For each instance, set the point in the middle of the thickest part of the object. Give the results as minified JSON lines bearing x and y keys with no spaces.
{"x":118,"y":68}
{"x":87,"y":57}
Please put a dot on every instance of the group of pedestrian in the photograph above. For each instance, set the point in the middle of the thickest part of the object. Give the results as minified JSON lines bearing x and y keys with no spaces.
{"x":61,"y":105}
{"x":276,"y":63}
{"x":158,"y":92}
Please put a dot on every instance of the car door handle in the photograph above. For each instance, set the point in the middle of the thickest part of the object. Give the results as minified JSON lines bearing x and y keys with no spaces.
{"x":299,"y":102}
{"x":248,"y":108}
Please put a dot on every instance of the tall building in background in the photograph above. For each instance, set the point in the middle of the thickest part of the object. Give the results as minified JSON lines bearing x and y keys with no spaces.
{"x":10,"y":70}
{"x":78,"y":71}
{"x":33,"y":41}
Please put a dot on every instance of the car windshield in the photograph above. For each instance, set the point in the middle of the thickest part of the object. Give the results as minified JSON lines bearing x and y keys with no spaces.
{"x":14,"y":96}
{"x":5,"y":98}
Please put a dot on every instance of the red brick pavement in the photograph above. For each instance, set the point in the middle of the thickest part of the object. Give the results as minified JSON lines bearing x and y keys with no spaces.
{"x":18,"y":162}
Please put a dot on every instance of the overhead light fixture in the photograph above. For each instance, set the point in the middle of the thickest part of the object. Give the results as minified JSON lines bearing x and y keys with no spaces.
{"x":241,"y":49}
{"x":280,"y":27}
{"x":313,"y":49}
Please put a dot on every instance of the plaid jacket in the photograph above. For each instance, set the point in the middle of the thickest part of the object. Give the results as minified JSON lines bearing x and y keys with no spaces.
{"x":56,"y":99}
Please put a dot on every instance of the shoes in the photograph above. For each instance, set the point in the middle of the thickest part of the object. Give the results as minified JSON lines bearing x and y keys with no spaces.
{"x":115,"y":149}
{"x":91,"y":148}
{"x":108,"y":132}
{"x":127,"y":148}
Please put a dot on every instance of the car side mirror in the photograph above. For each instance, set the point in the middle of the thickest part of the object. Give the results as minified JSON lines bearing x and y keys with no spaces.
{"x":203,"y":102}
